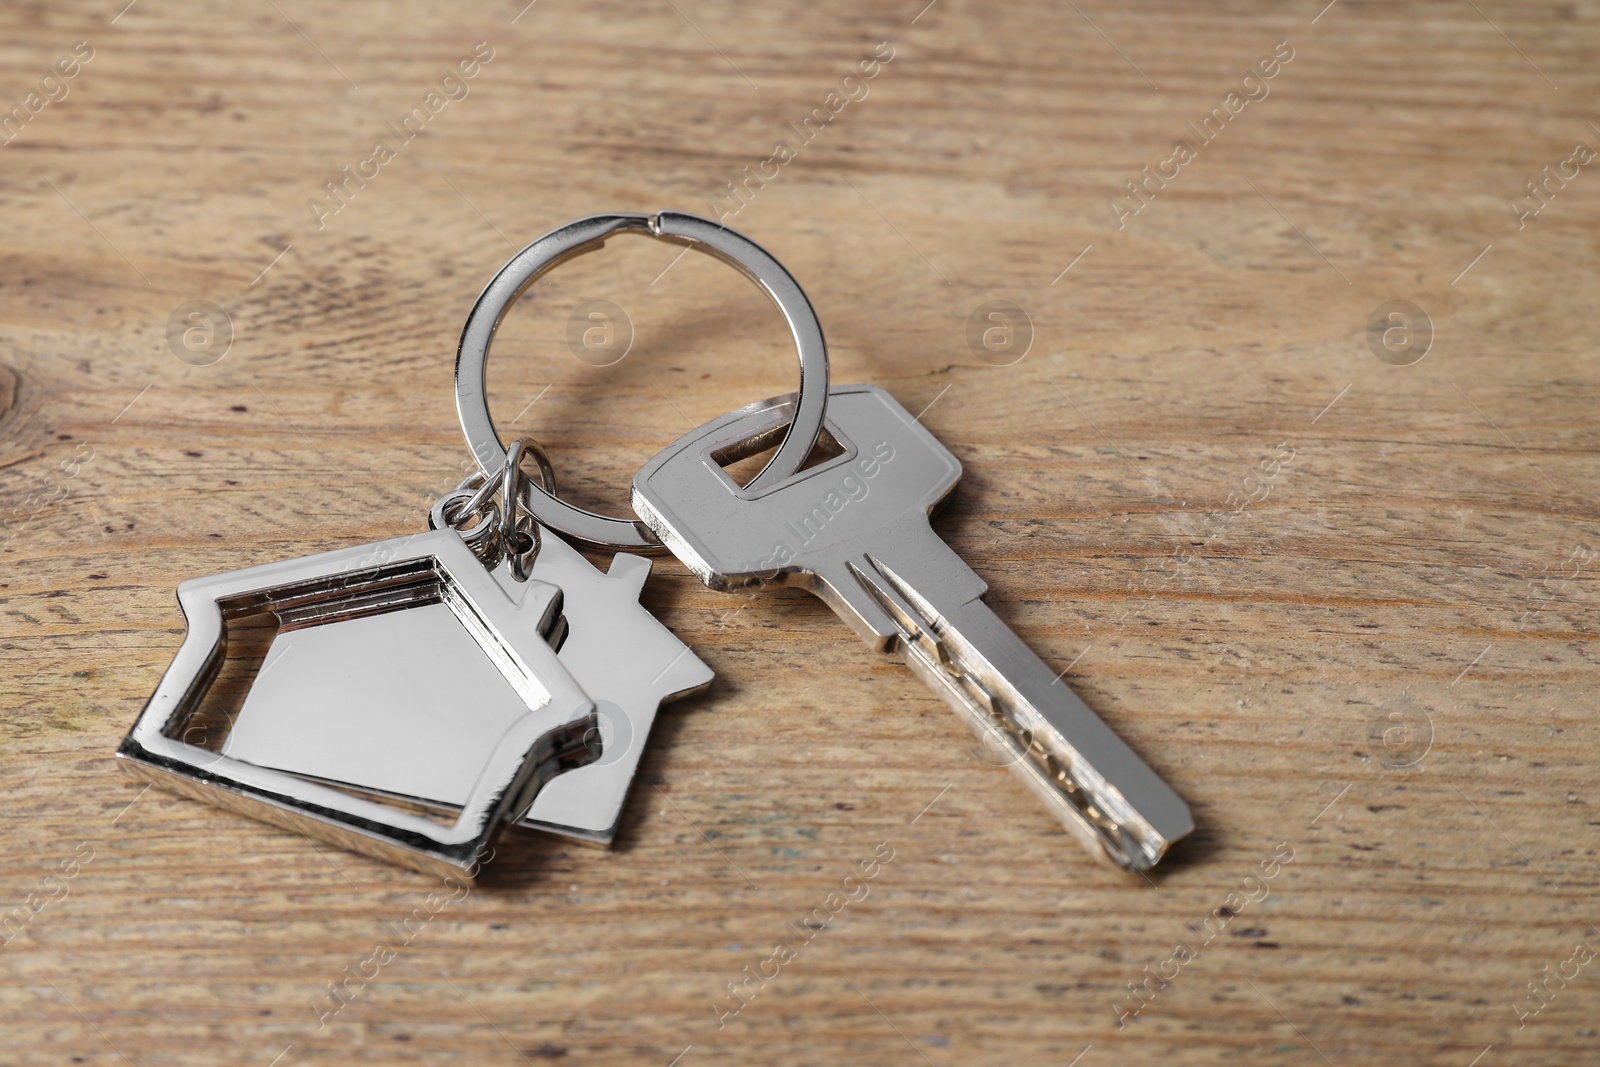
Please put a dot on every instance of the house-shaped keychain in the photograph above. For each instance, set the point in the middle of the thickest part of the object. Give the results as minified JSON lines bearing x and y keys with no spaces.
{"x":623,"y":656}
{"x":471,"y":647}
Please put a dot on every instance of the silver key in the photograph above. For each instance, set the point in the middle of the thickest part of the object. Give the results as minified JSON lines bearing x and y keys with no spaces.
{"x":855,"y":531}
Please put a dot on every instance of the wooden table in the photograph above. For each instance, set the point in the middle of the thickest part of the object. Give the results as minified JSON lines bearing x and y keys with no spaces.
{"x":1345,"y":606}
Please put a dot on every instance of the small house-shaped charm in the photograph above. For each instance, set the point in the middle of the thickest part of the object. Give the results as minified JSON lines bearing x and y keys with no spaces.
{"x":625,"y":659}
{"x":414,"y":626}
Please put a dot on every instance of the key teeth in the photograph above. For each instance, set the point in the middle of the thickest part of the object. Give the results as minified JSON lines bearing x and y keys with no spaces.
{"x":924,"y":604}
{"x":1048,"y":773}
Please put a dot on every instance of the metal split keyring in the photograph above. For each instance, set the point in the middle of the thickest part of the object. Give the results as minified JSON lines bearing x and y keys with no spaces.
{"x":504,"y":530}
{"x":586,"y":235}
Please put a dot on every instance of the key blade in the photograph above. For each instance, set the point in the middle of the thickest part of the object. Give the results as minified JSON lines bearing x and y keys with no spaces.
{"x":1096,"y":786}
{"x":854,"y":530}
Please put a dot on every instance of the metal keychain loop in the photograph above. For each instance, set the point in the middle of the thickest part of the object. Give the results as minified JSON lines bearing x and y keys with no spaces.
{"x":498,"y":531}
{"x":520,"y":541}
{"x":454,"y":511}
{"x":586,"y":235}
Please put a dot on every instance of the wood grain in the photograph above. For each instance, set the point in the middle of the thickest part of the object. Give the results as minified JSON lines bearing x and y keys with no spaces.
{"x":1384,"y":662}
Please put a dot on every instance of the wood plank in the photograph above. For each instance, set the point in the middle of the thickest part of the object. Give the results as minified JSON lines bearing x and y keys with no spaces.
{"x":1385,"y":662}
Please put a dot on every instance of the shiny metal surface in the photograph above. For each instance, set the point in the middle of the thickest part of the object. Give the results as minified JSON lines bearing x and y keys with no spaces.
{"x":387,"y":605}
{"x":503,"y":530}
{"x":521,"y":531}
{"x":855,"y":531}
{"x":478,"y":525}
{"x":625,"y":659}
{"x":630,"y":664}
{"x":585,"y":235}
